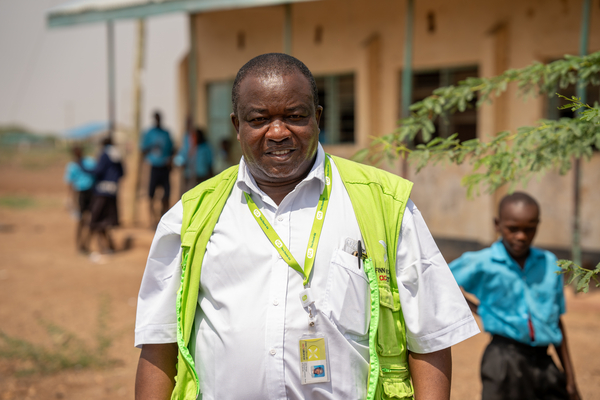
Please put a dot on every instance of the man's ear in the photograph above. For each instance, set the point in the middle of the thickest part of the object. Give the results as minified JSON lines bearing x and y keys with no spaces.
{"x":236,"y":124}
{"x":318,"y":113}
{"x":497,"y":224}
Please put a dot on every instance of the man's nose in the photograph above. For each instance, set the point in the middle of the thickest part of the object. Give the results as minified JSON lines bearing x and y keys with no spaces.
{"x":278,"y":131}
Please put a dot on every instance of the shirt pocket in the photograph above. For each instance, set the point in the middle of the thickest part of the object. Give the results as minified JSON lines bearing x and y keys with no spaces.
{"x":347,"y":299}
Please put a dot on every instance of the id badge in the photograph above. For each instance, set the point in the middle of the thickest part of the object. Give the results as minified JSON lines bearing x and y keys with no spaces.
{"x":314,"y":359}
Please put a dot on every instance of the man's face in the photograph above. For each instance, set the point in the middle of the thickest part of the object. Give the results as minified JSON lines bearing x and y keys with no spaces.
{"x":277,"y":126}
{"x":517,"y":224}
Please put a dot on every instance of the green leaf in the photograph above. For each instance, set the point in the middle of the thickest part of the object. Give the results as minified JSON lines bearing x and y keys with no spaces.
{"x":584,"y":282}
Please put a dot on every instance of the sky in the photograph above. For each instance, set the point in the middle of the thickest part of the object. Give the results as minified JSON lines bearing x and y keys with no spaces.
{"x":55,"y":79}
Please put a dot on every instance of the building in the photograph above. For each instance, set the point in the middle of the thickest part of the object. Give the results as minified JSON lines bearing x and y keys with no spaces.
{"x":356,"y":50}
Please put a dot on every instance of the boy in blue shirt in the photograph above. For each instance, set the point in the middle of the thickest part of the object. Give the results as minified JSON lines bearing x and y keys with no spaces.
{"x":80,"y":181}
{"x":195,"y":156}
{"x":157,"y":148}
{"x":520,"y":303}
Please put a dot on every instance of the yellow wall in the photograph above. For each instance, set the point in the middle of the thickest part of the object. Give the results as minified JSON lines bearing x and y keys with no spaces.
{"x":366,"y":37}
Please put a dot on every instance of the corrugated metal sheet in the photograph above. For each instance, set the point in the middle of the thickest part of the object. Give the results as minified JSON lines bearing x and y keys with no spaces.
{"x":89,"y":11}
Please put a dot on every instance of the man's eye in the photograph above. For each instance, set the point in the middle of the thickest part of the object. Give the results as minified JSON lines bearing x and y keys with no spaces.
{"x":258,"y":120}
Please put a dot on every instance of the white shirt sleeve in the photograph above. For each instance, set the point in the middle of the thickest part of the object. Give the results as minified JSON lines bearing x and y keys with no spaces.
{"x":435,"y":311}
{"x":156,"y":319}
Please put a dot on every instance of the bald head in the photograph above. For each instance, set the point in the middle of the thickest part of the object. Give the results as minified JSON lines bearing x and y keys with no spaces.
{"x":272,"y":65}
{"x":517,"y":198}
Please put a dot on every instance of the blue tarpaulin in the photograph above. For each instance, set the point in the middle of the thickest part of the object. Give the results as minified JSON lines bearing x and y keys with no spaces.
{"x":87,"y":130}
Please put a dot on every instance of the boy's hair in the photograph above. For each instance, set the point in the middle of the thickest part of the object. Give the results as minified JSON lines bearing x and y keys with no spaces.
{"x":517,"y":197}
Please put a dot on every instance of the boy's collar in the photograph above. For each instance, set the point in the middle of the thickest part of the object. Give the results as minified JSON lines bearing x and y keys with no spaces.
{"x":500,"y":254}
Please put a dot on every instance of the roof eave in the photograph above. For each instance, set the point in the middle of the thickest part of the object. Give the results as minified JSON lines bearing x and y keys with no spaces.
{"x":60,"y":18}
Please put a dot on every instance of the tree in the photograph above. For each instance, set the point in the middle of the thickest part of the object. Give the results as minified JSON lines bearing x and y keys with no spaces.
{"x":509,"y":157}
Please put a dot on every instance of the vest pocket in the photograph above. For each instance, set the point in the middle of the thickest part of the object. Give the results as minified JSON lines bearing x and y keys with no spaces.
{"x":394,"y":383}
{"x":390,"y":342}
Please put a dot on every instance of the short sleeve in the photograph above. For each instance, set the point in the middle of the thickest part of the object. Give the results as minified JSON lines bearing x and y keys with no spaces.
{"x":560,"y":289}
{"x":68,"y":177}
{"x":435,"y":312}
{"x":145,"y":140}
{"x":561,"y":297}
{"x":156,"y":319}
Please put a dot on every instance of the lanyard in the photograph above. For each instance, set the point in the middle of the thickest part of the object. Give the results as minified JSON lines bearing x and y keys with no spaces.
{"x":315,"y":232}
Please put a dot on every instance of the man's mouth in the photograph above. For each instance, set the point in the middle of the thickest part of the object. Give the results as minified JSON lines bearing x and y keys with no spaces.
{"x":280,"y":152}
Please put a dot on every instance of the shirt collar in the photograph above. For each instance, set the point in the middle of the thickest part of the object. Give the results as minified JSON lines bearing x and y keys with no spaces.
{"x":246,"y":182}
{"x":500,"y":254}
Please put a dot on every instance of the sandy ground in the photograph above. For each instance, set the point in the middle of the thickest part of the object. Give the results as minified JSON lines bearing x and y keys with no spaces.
{"x":44,"y":280}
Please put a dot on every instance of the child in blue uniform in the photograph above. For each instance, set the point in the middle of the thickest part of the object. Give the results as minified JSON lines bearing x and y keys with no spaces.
{"x":81,"y":181}
{"x":520,"y":303}
{"x":157,"y":148}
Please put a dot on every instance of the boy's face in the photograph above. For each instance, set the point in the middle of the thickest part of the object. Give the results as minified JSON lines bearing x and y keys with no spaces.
{"x":517,"y":224}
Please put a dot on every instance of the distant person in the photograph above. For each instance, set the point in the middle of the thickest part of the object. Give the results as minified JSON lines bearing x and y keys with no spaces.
{"x":157,"y":148}
{"x":520,"y":303}
{"x":222,"y":157}
{"x":196,"y":157}
{"x":105,"y":214}
{"x":79,"y":177}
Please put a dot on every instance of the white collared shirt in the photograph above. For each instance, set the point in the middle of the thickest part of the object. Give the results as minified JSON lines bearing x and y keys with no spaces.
{"x":250,"y":316}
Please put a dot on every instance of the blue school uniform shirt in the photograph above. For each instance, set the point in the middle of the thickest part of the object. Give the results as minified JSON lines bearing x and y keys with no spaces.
{"x":508,"y":295}
{"x":79,"y":179}
{"x":200,"y":162}
{"x":157,"y":142}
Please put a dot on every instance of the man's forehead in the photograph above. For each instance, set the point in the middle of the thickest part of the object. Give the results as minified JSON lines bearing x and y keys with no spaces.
{"x":272,"y":79}
{"x":254,"y":88}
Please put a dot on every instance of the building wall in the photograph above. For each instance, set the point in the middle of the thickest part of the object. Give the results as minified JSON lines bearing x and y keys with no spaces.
{"x":366,"y":37}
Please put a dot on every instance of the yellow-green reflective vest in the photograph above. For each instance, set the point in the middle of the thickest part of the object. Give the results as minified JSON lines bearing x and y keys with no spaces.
{"x":376,"y":195}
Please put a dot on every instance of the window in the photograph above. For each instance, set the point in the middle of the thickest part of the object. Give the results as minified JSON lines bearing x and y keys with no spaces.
{"x":220,"y":131}
{"x":336,"y":95}
{"x":464,"y":123}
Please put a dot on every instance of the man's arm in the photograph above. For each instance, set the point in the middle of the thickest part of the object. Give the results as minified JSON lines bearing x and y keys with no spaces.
{"x":472,"y":305}
{"x":565,"y":360}
{"x":156,"y":372}
{"x":431,"y":374}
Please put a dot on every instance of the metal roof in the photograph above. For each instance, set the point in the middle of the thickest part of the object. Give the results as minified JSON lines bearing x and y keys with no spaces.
{"x":89,"y":11}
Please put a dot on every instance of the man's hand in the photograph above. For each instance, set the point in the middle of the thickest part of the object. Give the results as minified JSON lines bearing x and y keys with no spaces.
{"x":431,"y":374}
{"x":156,"y":372}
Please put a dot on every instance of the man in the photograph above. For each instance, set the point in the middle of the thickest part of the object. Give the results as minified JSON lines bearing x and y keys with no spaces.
{"x":79,"y":177}
{"x":520,"y":303}
{"x":263,"y":317}
{"x":157,"y":148}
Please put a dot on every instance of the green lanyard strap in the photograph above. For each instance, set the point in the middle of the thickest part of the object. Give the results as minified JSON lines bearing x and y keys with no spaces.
{"x":315,"y":232}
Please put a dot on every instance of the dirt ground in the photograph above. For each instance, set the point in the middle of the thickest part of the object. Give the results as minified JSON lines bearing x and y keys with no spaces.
{"x":56,"y":302}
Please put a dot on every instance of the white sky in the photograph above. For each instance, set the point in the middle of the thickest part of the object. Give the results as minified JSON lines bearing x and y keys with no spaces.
{"x":55,"y":79}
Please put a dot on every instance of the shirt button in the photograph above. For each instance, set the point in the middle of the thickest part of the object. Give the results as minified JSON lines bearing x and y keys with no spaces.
{"x":280,"y":219}
{"x":275,"y":302}
{"x":273,"y":352}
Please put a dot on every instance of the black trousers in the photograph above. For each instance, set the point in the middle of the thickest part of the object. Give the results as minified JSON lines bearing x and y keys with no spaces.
{"x":515,"y":371}
{"x":159,"y":176}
